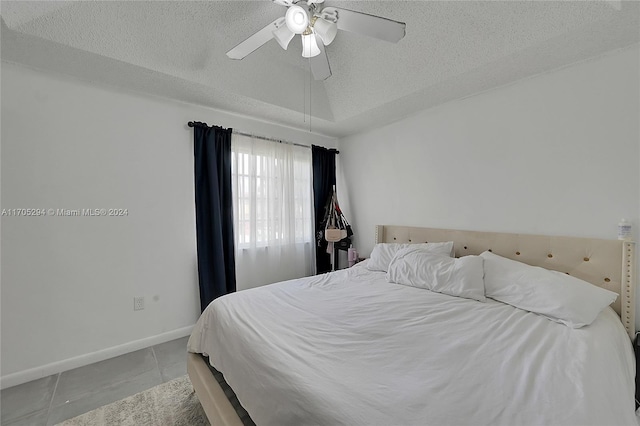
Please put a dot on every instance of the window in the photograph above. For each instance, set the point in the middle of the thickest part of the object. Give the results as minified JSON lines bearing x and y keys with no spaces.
{"x":272,"y":193}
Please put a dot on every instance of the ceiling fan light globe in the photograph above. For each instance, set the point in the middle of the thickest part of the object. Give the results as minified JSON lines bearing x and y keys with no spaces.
{"x":283,"y":36}
{"x":297,"y":19}
{"x":310,"y":46}
{"x":326,"y":30}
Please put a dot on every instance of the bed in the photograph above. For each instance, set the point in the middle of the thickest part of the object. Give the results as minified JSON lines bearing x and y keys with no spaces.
{"x":351,"y":348}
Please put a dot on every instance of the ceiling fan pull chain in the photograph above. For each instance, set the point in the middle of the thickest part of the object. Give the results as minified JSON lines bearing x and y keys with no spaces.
{"x":310,"y":89}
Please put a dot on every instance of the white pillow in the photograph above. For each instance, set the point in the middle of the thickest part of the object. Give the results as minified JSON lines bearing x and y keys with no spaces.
{"x":383,"y":253}
{"x":456,"y":277}
{"x":558,"y":296}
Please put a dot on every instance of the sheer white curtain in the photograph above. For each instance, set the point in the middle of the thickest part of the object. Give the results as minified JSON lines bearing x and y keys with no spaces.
{"x":273,"y":211}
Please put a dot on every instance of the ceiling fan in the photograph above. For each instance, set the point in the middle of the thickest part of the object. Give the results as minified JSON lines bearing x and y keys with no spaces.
{"x":318,"y":26}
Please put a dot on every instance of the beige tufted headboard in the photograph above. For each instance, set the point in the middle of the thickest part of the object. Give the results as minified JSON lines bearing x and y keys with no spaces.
{"x":605,"y":263}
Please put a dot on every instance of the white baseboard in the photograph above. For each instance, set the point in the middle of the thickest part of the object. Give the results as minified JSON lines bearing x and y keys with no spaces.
{"x":25,"y":376}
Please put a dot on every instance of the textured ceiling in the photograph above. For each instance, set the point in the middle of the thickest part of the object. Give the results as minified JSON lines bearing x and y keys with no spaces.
{"x":176,"y":49}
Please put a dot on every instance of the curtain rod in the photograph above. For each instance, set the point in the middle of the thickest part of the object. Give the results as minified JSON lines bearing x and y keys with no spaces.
{"x":194,"y":124}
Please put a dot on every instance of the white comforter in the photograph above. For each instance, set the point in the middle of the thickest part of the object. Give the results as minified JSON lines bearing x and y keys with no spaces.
{"x":349,"y":348}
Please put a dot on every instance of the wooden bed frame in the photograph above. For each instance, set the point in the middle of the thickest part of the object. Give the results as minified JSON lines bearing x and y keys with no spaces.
{"x":608,"y":264}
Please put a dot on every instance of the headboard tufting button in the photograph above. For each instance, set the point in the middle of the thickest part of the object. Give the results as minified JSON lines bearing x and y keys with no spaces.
{"x":586,"y":259}
{"x":517,"y":253}
{"x":409,"y":240}
{"x":606,"y":280}
{"x":491,"y":250}
{"x":465,"y":247}
{"x":549,"y":255}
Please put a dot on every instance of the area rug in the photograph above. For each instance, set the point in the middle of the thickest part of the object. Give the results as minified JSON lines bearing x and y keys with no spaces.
{"x":170,"y":404}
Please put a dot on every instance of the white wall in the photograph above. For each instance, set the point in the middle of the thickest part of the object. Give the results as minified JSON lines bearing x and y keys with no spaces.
{"x":553,"y":154}
{"x":68,"y":282}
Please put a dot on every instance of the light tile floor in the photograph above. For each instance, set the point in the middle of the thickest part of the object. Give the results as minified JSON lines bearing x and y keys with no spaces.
{"x":56,"y":398}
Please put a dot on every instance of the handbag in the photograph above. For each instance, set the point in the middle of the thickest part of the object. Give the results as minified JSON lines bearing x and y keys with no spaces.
{"x":337,"y":228}
{"x":334,"y":235}
{"x":331,"y":232}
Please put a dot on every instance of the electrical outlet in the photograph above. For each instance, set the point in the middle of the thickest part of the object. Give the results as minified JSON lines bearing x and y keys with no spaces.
{"x":138,"y":303}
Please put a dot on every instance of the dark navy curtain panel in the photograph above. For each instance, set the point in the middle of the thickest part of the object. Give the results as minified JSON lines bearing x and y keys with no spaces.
{"x":324,"y":178}
{"x":214,"y":212}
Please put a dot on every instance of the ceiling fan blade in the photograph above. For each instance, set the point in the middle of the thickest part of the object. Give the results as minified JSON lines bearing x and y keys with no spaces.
{"x":255,"y":41}
{"x":320,"y":64}
{"x":368,"y":25}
